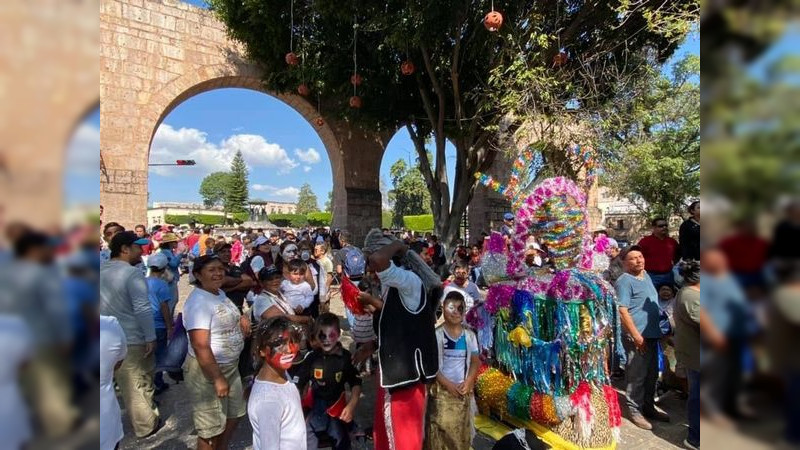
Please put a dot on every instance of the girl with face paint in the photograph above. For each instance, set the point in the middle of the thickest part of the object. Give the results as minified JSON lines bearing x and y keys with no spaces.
{"x":274,"y":405}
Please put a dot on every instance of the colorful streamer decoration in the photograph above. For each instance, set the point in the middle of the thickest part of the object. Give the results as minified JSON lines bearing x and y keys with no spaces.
{"x":525,"y":167}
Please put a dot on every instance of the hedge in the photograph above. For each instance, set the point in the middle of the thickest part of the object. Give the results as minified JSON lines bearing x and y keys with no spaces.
{"x":319,"y":219}
{"x":288,"y":220}
{"x":203,"y":219}
{"x":419,"y":223}
{"x":386,"y":219}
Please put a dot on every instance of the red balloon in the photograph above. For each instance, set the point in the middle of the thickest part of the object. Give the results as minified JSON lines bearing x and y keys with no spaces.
{"x":303,"y":90}
{"x":356,"y":79}
{"x":319,"y":121}
{"x":355,"y":102}
{"x":407,"y":68}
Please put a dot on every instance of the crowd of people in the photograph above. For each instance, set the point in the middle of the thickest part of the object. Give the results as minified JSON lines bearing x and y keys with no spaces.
{"x":255,"y":337}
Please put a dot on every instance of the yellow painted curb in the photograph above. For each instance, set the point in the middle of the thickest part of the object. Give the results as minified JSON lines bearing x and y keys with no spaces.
{"x":497,"y":430}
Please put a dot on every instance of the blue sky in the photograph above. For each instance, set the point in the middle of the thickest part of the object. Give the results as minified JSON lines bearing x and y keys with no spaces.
{"x":282,"y":150}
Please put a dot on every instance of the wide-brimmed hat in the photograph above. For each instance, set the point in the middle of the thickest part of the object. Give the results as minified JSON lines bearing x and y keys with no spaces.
{"x":169,"y":237}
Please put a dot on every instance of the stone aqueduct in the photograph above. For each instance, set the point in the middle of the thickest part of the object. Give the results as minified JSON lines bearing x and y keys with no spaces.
{"x":156,"y":54}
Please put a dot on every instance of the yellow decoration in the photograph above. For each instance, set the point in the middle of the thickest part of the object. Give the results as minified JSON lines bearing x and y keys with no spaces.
{"x":519,"y":336}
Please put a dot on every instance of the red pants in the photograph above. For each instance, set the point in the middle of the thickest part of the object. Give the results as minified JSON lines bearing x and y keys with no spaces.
{"x":400,"y":418}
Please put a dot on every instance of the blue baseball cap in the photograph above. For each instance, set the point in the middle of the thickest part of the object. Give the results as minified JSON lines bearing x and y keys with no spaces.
{"x":508,"y":216}
{"x":126,"y":238}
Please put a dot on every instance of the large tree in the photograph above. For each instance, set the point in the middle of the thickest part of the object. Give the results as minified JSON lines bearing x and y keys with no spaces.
{"x":236,"y":194}
{"x":450,"y":95}
{"x":654,"y":138}
{"x":306,"y":200}
{"x":213,"y":188}
{"x":329,"y":202}
{"x":408,"y":195}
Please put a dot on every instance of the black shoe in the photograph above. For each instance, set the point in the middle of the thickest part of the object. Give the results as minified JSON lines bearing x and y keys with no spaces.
{"x":658,"y":416}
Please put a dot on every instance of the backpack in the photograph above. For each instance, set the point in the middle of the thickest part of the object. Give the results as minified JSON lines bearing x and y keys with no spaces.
{"x":354,"y":264}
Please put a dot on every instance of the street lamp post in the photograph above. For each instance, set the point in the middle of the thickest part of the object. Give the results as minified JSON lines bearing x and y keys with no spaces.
{"x":179,"y":162}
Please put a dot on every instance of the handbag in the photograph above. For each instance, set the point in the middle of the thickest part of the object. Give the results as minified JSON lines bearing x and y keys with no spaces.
{"x":177,"y":348}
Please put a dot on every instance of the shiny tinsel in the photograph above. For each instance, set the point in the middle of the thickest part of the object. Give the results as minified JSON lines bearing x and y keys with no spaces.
{"x":519,"y":400}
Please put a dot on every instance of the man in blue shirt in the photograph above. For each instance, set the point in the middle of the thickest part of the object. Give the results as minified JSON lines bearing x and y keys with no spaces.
{"x":639,"y":315}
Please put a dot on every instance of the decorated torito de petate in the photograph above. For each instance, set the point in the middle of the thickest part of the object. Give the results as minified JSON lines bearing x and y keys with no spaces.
{"x":546,"y":332}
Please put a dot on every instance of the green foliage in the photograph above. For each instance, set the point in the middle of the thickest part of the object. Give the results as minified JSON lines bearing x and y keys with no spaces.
{"x":656,"y":139}
{"x":386,"y":219}
{"x":200,"y":219}
{"x":409,"y":194}
{"x":466,"y":78}
{"x":306,"y":200}
{"x":236,"y":195}
{"x":319,"y":219}
{"x":288,"y":220}
{"x":213,"y":188}
{"x":419,"y":223}
{"x":240,"y":217}
{"x":329,"y":202}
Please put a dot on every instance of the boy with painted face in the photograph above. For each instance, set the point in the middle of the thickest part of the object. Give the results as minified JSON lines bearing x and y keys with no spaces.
{"x":327,"y":369}
{"x":274,"y":405}
{"x":450,"y":399}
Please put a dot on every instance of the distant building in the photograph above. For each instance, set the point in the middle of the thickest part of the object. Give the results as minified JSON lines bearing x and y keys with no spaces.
{"x":624,"y":221}
{"x":259,"y":210}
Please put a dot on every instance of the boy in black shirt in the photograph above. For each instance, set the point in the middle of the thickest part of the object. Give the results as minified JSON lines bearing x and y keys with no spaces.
{"x":328,"y":368}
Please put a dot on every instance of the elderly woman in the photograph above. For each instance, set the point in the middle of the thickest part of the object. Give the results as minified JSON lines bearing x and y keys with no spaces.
{"x":216,"y":332}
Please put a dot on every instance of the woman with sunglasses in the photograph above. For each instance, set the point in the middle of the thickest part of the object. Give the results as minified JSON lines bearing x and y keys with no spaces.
{"x":216,"y":332}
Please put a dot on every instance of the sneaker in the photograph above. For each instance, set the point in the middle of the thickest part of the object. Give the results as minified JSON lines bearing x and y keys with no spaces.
{"x":657,"y":415}
{"x":688,"y":445}
{"x":641,"y":422}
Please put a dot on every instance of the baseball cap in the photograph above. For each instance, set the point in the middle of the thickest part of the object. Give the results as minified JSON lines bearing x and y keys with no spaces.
{"x":261,"y":240}
{"x":508,"y":216}
{"x":158,"y":260}
{"x":274,"y":233}
{"x":125,"y":238}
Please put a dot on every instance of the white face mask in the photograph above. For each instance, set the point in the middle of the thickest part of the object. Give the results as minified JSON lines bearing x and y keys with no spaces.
{"x":537,"y":260}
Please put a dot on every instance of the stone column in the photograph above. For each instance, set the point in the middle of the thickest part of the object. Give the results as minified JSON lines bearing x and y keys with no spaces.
{"x":487,"y":207}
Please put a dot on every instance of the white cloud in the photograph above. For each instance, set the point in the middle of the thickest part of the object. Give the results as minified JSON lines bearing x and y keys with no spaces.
{"x":306,"y":168}
{"x":83,"y":152}
{"x":288,"y":194}
{"x":309,"y":156}
{"x":170,"y":144}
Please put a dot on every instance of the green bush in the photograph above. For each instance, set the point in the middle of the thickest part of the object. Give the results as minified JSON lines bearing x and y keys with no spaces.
{"x":288,"y":220}
{"x":386,"y":219}
{"x":419,"y":223}
{"x":319,"y":219}
{"x":241,"y":217}
{"x":200,"y":219}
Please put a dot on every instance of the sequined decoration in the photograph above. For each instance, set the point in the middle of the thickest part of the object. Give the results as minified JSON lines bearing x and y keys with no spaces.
{"x":543,"y":409}
{"x":519,"y":401}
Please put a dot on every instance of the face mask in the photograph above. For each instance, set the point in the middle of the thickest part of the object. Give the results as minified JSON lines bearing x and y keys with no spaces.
{"x":328,"y":337}
{"x":305,"y":255}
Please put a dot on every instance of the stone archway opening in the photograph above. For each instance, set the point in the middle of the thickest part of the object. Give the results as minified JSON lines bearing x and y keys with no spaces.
{"x":80,"y":175}
{"x":208,"y":124}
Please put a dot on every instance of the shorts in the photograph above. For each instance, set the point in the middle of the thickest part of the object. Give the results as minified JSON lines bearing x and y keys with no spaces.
{"x":209,"y":412}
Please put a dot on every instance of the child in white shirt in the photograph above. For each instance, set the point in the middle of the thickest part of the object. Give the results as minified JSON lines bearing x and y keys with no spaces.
{"x":298,"y":285}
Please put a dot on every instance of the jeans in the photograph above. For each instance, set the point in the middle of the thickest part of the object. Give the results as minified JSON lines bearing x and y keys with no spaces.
{"x":662,"y":278}
{"x":641,"y":374}
{"x":161,"y":352}
{"x":319,"y":421}
{"x":693,"y":407}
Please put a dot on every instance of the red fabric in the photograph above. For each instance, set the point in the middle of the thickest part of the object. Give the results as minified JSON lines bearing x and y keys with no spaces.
{"x":147,"y":249}
{"x":191,"y":240}
{"x":335,"y":410}
{"x":236,"y":252}
{"x":350,"y":296}
{"x":407,"y":409}
{"x":746,"y":253}
{"x":659,"y":254}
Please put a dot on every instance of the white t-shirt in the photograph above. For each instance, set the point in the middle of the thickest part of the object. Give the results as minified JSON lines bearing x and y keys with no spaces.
{"x":408,"y":284}
{"x":276,"y":416}
{"x":297,"y":294}
{"x":261,"y":303}
{"x":256,"y":264}
{"x":113,"y":349}
{"x":216,"y":313}
{"x":454,"y":352}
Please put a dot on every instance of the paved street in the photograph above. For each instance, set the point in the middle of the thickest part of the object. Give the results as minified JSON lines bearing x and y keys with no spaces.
{"x":178,"y":432}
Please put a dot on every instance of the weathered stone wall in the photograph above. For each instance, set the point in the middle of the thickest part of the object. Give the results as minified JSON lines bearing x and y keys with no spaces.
{"x":155,"y":55}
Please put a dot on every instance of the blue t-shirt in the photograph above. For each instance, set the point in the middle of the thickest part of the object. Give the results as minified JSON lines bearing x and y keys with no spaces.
{"x":641,"y":299}
{"x":79,"y":294}
{"x":726,"y":305}
{"x":159,"y":292}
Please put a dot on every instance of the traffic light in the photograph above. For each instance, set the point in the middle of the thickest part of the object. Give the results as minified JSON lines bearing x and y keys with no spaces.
{"x":185,"y":162}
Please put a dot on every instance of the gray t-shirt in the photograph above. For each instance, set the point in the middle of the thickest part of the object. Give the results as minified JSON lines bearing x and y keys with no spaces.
{"x":123,"y":294}
{"x":687,"y":328}
{"x":641,"y":299}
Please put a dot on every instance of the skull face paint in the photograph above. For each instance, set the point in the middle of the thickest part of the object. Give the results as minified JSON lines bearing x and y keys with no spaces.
{"x":328,"y":337}
{"x":454,"y":311}
{"x":289,"y":253}
{"x":282,"y":351}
